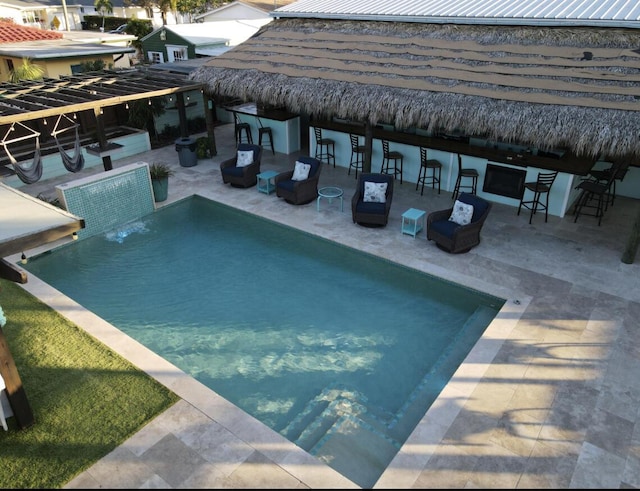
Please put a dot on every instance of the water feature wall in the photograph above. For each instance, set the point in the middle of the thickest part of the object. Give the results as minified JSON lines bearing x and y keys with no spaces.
{"x":109,"y":199}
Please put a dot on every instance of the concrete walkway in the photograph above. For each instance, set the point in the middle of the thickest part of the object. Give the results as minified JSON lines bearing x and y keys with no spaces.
{"x":548,"y":398}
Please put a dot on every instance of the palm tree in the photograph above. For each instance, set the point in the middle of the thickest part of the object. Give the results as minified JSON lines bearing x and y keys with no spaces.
{"x":102,"y":6}
{"x":26,"y":71}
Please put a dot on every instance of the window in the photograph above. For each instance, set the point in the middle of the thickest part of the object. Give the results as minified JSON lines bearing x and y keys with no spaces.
{"x":155,"y":57}
{"x":10,"y":65}
{"x":177,"y":53}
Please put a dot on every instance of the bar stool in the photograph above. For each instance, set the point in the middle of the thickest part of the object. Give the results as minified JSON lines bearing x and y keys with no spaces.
{"x":387,"y":157}
{"x":357,"y":154}
{"x":472,"y":173}
{"x":239,"y":128}
{"x":425,"y":165}
{"x":325,"y":148}
{"x":540,"y":186}
{"x":265,"y":131}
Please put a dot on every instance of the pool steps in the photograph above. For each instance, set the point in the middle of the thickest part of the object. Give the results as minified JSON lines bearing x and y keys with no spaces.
{"x":338,"y":410}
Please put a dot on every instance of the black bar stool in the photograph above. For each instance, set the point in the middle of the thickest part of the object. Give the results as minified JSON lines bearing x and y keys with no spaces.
{"x":387,"y":157}
{"x":242,"y":127}
{"x":425,"y":165}
{"x":265,"y":131}
{"x":325,"y":148}
{"x":357,"y":154}
{"x":471,"y":173}
{"x":538,"y":187}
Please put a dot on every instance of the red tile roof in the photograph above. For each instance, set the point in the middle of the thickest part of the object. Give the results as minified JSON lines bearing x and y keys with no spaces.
{"x":10,"y":32}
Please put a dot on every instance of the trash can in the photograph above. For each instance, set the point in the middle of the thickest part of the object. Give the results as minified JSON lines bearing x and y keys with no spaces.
{"x":186,"y":148}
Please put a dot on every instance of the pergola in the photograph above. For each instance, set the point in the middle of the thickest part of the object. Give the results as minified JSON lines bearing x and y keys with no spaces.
{"x":41,"y":99}
{"x":27,"y":222}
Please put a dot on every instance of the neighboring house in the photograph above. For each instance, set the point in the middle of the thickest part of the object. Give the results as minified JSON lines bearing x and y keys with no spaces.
{"x":232,"y":11}
{"x":58,"y":53}
{"x":54,"y":15}
{"x":188,"y":41}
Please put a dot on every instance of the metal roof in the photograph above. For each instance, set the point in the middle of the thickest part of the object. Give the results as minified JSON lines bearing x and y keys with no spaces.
{"x":604,"y":13}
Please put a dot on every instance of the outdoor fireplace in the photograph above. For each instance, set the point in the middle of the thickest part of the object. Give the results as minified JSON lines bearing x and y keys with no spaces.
{"x":504,"y":181}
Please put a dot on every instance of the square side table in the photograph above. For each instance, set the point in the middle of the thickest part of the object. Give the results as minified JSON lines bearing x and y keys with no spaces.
{"x":413,"y":221}
{"x":266,"y":181}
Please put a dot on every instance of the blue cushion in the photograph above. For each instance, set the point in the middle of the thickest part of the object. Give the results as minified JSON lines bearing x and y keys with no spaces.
{"x":479,"y":204}
{"x":287,"y":185}
{"x":234,"y":171}
{"x":371,"y":208}
{"x":444,"y":227}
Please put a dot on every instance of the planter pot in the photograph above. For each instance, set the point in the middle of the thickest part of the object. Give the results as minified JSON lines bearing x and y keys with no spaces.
{"x":160,"y":188}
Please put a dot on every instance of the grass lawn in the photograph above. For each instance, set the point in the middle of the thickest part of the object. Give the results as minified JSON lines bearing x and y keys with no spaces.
{"x":86,"y":399}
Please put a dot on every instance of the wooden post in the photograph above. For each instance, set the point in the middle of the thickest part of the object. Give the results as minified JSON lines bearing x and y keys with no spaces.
{"x":208,"y":116}
{"x":15,"y":391}
{"x":102,"y":138}
{"x":368,"y":147}
{"x":633,"y":241}
{"x":182,"y":115}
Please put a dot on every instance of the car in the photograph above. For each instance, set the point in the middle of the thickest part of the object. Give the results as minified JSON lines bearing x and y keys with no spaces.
{"x":119,"y":30}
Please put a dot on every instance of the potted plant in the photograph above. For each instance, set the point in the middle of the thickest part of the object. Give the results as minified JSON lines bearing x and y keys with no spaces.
{"x":160,"y":173}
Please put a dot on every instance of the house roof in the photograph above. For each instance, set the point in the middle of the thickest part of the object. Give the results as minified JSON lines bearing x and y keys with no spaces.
{"x":575,"y":88}
{"x":610,"y":13}
{"x":44,"y":50}
{"x":232,"y":32}
{"x":10,"y":32}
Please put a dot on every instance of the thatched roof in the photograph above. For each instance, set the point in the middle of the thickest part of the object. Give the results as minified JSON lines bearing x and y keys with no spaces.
{"x":577,"y":88}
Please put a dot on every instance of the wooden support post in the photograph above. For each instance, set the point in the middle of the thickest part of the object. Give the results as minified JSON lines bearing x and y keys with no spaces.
{"x":368,"y":147}
{"x":633,"y":241}
{"x":102,"y":138}
{"x":182,"y":115}
{"x":15,"y":391}
{"x":209,"y":113}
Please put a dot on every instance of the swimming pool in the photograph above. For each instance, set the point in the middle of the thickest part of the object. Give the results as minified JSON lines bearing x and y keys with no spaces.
{"x":316,"y":340}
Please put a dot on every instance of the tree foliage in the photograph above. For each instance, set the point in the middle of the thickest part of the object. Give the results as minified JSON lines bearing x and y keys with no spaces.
{"x":103,"y":6}
{"x":26,"y":71}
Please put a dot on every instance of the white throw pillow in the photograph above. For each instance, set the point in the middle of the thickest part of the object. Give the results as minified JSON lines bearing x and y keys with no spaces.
{"x":375,"y":192}
{"x":301,"y":171}
{"x":245,"y":157}
{"x":461,"y":213}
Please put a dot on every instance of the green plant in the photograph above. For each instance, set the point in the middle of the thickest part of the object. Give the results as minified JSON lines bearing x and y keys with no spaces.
{"x":203,"y":146}
{"x":160,"y":170}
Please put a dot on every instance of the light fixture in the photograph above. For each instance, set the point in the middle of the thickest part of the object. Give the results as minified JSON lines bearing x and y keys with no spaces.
{"x":74,"y":116}
{"x":163,"y":35}
{"x":74,"y":235}
{"x":149,"y":101}
{"x":45,"y":121}
{"x":101,"y":112}
{"x":24,"y":259}
{"x":126,"y":105}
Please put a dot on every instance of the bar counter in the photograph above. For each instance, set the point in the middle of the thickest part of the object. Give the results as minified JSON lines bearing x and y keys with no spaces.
{"x":568,"y":163}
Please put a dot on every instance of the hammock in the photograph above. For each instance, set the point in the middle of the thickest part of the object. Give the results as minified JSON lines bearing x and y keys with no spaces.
{"x":32,"y":173}
{"x":75,"y":163}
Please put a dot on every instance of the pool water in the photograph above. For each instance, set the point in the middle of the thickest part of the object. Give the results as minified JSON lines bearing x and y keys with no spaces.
{"x":339,"y":351}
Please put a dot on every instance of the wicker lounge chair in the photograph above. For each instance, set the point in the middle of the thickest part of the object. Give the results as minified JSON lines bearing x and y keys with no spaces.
{"x":371,"y":213}
{"x":299,"y":192}
{"x":454,"y":238}
{"x":242,"y":177}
